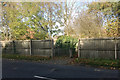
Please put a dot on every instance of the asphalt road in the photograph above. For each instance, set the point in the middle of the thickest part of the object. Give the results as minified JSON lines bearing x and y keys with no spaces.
{"x":27,"y":69}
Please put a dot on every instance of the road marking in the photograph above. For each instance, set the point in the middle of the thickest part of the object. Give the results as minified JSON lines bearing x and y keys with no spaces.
{"x":44,"y":78}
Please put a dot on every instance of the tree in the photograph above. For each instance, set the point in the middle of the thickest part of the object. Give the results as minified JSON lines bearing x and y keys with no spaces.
{"x":110,"y":11}
{"x":23,"y":18}
{"x":14,"y":18}
{"x":70,"y":8}
{"x":54,"y":13}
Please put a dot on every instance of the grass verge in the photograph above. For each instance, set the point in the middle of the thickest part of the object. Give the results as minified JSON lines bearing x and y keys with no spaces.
{"x":103,"y":63}
{"x":24,"y":57}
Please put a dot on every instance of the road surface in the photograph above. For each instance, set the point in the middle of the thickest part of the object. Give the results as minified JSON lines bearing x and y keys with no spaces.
{"x":27,"y":69}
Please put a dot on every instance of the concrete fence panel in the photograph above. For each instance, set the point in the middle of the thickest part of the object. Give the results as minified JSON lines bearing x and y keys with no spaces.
{"x":99,"y":48}
{"x":96,"y":44}
{"x":28,"y":47}
{"x":22,"y":47}
{"x":19,"y":44}
{"x":37,"y":44}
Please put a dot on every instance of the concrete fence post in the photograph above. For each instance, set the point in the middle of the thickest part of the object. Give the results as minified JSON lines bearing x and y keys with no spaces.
{"x":115,"y":49}
{"x":30,"y":47}
{"x":79,"y":48}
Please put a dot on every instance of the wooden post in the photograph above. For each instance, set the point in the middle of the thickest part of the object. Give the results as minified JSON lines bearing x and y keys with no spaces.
{"x":70,"y":51}
{"x":79,"y":48}
{"x":58,"y":51}
{"x":14,"y":47}
{"x":52,"y":48}
{"x":30,"y":47}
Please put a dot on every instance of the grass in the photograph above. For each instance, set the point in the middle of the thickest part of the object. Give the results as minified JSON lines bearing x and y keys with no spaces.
{"x":106,"y":63}
{"x":24,"y":57}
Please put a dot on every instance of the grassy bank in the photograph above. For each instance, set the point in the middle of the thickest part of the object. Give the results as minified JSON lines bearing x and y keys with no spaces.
{"x":24,"y":57}
{"x":105,"y":63}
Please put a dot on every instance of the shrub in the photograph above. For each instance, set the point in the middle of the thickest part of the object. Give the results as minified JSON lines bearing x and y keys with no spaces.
{"x":66,"y":42}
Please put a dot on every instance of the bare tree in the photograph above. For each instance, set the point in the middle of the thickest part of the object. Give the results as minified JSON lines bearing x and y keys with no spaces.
{"x":72,"y":13}
{"x":71,"y":8}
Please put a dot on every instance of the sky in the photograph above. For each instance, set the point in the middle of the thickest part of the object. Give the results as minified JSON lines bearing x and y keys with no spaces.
{"x":56,"y":0}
